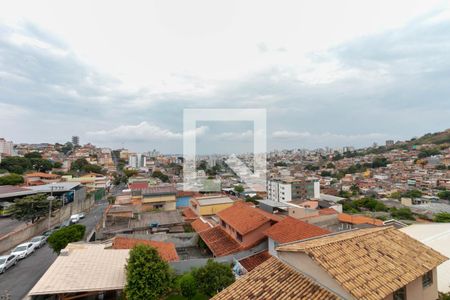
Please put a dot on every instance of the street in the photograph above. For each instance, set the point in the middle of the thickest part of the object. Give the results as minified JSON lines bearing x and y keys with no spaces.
{"x":17,"y":281}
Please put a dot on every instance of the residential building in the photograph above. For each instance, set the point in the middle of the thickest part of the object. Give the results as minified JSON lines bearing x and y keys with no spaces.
{"x":76,"y":140}
{"x":286,"y":190}
{"x":166,"y":250}
{"x":6,"y":147}
{"x":289,"y":230}
{"x":92,"y":181}
{"x":210,"y":205}
{"x":39,"y":178}
{"x":161,"y":197}
{"x":376,"y":263}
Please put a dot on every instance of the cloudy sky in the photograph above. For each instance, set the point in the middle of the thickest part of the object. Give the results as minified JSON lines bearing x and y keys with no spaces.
{"x":120,"y":73}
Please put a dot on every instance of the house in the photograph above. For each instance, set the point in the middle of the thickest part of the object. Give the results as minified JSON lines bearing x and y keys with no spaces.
{"x":436,"y":236}
{"x":372,"y":263}
{"x":210,"y":205}
{"x":39,"y":178}
{"x":83,"y":270}
{"x":246,"y":224}
{"x":290,"y":230}
{"x":234,"y":229}
{"x":274,"y":280}
{"x":92,"y":181}
{"x":166,"y":250}
{"x":159,"y":197}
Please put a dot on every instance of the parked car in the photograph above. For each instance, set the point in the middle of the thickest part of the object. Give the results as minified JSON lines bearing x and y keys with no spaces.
{"x":6,"y":262}
{"x":81,"y":215}
{"x":23,"y":250}
{"x":74,"y":218}
{"x":39,"y":241}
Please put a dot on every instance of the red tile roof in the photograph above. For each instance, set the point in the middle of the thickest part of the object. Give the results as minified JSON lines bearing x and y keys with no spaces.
{"x":290,"y":230}
{"x":244,"y":218}
{"x":42,"y":175}
{"x":199,"y":225}
{"x":219,"y":242}
{"x":138,"y":185}
{"x":328,"y":211}
{"x":166,"y":250}
{"x":251,"y":262}
{"x":357,"y":219}
{"x":189,"y":214}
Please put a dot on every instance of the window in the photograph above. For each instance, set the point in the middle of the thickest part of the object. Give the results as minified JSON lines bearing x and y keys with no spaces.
{"x":400,"y":294}
{"x":239,"y":236}
{"x":427,"y":279}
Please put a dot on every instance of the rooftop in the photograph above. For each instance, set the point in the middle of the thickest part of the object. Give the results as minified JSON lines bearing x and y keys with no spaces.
{"x":290,"y":230}
{"x":213,"y":200}
{"x":274,"y":280}
{"x":219,"y":242}
{"x":358,"y":219}
{"x":160,"y":190}
{"x":166,"y":250}
{"x":251,"y":262}
{"x":89,"y":267}
{"x":355,"y":258}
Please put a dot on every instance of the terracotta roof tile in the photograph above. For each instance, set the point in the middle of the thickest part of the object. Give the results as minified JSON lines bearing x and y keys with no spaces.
{"x":243,"y":218}
{"x":273,"y":280}
{"x":370,"y":263}
{"x":219,"y":242}
{"x":43,"y":175}
{"x":138,"y":185}
{"x":166,"y":250}
{"x":290,"y":230}
{"x":189,"y":214}
{"x":200,"y":225}
{"x":328,"y":211}
{"x":251,"y":262}
{"x":358,"y":219}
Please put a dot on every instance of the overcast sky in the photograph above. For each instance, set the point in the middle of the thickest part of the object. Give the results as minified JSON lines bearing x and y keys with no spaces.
{"x":120,"y":73}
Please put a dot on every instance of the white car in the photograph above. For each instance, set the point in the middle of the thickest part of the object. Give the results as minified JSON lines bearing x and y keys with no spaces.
{"x":38,"y":241}
{"x":23,"y":250}
{"x":74,"y":219}
{"x":6,"y":262}
{"x":81,"y":215}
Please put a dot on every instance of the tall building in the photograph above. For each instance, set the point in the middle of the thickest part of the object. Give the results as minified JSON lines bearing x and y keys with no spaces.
{"x":6,"y":147}
{"x":292,"y":189}
{"x":389,"y":143}
{"x":76,"y":140}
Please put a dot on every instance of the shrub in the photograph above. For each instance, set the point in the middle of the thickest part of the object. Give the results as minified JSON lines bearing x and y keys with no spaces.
{"x":188,"y":286}
{"x":213,"y":277}
{"x":59,"y":239}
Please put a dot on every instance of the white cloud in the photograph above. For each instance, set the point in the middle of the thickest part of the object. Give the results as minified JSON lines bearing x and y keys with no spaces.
{"x":285,"y":134}
{"x":143,"y":131}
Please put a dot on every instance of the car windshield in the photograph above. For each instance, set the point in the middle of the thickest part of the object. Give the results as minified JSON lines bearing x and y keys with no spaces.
{"x":21,"y":248}
{"x":36,"y":239}
{"x":2,"y":261}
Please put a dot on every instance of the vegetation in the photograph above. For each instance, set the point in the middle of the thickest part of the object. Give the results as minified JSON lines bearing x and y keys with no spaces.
{"x":11,"y":179}
{"x":442,"y":217}
{"x":31,"y":162}
{"x":161,"y":176}
{"x":280,"y":164}
{"x":32,"y":208}
{"x":213,"y":277}
{"x":239,"y":188}
{"x":82,"y":166}
{"x":412,"y":194}
{"x":312,"y":167}
{"x":379,"y":162}
{"x":367,"y":203}
{"x":148,"y":276}
{"x":130,"y":172}
{"x":445,"y":194}
{"x":59,"y":239}
{"x":188,"y":286}
{"x":428,"y":152}
{"x":403,"y":213}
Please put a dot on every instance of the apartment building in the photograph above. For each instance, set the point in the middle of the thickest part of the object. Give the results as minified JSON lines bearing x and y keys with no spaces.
{"x":286,"y":190}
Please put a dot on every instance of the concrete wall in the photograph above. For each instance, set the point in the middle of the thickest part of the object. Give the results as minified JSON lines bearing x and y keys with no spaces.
{"x":183,"y":266}
{"x":9,"y":241}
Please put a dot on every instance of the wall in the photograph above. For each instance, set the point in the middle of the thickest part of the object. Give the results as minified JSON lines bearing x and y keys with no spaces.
{"x":213,"y":209}
{"x":150,"y":199}
{"x":415,"y":291}
{"x":9,"y":241}
{"x":306,"y":265}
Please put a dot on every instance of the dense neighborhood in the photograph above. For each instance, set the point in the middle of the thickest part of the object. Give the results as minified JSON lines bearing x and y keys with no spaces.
{"x":369,"y":223}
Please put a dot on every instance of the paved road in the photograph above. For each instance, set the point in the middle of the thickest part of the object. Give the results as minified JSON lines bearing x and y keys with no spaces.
{"x":19,"y":280}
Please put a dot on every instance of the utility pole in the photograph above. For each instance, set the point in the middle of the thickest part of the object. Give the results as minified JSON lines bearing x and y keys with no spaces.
{"x":50,"y":199}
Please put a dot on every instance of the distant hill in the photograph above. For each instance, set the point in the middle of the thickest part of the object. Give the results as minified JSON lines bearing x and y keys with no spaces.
{"x":437,"y":138}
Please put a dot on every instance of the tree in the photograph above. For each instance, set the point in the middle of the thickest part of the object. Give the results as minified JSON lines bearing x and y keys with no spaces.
{"x":402,"y":213}
{"x":41,"y":165}
{"x":67,"y":147}
{"x":239,"y":188}
{"x":188,"y":285}
{"x":213,"y":277}
{"x":57,"y":165}
{"x":148,"y":276}
{"x":130,"y":173}
{"x":34,"y":154}
{"x":15,"y":164}
{"x":445,"y":194}
{"x":442,"y":217}
{"x":11,"y":179}
{"x":32,"y":208}
{"x":59,"y":239}
{"x":412,"y":194}
{"x":81,"y":165}
{"x":160,"y":176}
